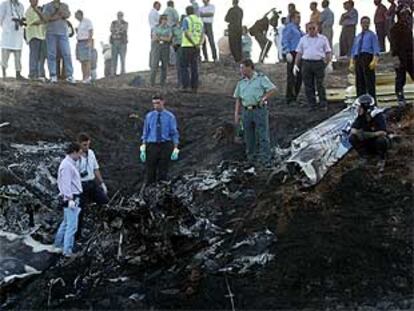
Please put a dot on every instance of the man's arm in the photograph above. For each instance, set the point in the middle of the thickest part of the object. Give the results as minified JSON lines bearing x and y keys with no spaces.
{"x":175,"y":135}
{"x":237,"y":111}
{"x":98,"y":177}
{"x":65,"y":185}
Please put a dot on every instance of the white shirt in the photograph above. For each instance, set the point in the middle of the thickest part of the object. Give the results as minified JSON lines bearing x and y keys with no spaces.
{"x":11,"y":38}
{"x":69,"y":181}
{"x":87,"y":164}
{"x":313,"y":48}
{"x":154,"y":18}
{"x":207,"y":9}
{"x":84,"y":28}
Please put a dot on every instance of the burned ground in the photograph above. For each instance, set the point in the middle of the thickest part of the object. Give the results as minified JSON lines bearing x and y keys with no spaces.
{"x":345,"y":243}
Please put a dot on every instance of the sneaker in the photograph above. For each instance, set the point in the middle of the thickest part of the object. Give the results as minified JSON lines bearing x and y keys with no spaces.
{"x":71,"y":80}
{"x":87,"y":81}
{"x":56,"y":249}
{"x":41,"y":79}
{"x":53,"y":79}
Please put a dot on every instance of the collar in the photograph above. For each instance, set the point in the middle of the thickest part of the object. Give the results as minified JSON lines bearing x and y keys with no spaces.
{"x":68,"y":157}
{"x":254,"y":76}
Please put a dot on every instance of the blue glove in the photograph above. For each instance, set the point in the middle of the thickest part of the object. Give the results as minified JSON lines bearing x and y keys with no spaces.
{"x":174,"y":154}
{"x":143,"y":154}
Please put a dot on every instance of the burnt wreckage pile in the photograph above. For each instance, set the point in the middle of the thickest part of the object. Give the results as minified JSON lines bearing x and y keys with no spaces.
{"x":171,"y":232}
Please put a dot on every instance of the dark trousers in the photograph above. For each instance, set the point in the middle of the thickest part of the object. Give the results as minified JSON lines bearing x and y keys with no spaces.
{"x":92,"y":193}
{"x":208,"y":30}
{"x":293,"y":84}
{"x":314,"y":74}
{"x":365,"y":77}
{"x":381,"y":30}
{"x":158,"y":161}
{"x":108,"y":67}
{"x":235,"y":41}
{"x":346,"y":40}
{"x":400,"y":80}
{"x":264,"y":43}
{"x":374,"y":146}
{"x":189,"y":66}
{"x":178,"y":59}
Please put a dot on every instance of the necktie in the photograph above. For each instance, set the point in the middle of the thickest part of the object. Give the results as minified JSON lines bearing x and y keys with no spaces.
{"x":159,"y":129}
{"x":361,"y":41}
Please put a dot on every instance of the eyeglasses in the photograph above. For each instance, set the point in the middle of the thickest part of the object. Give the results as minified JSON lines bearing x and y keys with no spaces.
{"x":311,"y":28}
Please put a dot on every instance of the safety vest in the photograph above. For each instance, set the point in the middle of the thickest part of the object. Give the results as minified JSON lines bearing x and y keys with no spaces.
{"x":195,"y":28}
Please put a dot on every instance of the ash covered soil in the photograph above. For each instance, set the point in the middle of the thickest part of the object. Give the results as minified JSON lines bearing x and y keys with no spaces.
{"x":344,"y":244}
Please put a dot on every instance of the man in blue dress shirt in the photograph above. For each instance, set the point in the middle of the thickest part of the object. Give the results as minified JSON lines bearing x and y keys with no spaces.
{"x":160,"y":139}
{"x":364,"y":61}
{"x":290,"y":40}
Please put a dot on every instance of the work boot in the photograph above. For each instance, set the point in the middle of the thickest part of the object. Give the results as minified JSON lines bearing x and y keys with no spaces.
{"x":19,"y":77}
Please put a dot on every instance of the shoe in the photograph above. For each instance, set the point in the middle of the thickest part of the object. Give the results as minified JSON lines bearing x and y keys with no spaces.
{"x":71,"y":80}
{"x":41,"y":79}
{"x":57,"y":250}
{"x":53,"y":79}
{"x":87,"y":81}
{"x":19,"y":77}
{"x":71,"y":255}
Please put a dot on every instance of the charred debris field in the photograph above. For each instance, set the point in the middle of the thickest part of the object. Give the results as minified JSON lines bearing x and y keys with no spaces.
{"x":221,"y":235}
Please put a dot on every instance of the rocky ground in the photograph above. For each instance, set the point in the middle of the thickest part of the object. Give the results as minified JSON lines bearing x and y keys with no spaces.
{"x":221,"y":234}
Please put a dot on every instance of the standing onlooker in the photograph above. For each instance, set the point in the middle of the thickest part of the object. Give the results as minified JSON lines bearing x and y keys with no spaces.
{"x":177,"y":38}
{"x":94,"y":62}
{"x":365,"y":53}
{"x":196,"y":7}
{"x":11,"y":21}
{"x":246,"y":44}
{"x":327,"y":21}
{"x":161,"y":40}
{"x":391,"y":12}
{"x":119,"y":41}
{"x":291,"y":11}
{"x":56,"y":14}
{"x":290,"y":41}
{"x":107,"y":55}
{"x":172,"y":15}
{"x":70,"y":190}
{"x":252,"y":94}
{"x":160,"y":139}
{"x":35,"y":37}
{"x":235,"y":19}
{"x":191,"y":42}
{"x":348,"y":21}
{"x":380,"y":21}
{"x":84,"y":45}
{"x":207,"y":15}
{"x":315,"y":53}
{"x":278,"y":38}
{"x":154,"y":15}
{"x":315,"y":16}
{"x":401,"y":39}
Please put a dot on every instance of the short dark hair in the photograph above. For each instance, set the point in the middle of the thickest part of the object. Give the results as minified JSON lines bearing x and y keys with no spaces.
{"x":248,"y":63}
{"x":156,"y":3}
{"x":314,"y":3}
{"x":158,"y":97}
{"x":170,"y":3}
{"x":292,"y":5}
{"x":79,"y":12}
{"x":73,"y":147}
{"x":235,"y":2}
{"x":365,"y":17}
{"x":82,"y":137}
{"x":189,"y":10}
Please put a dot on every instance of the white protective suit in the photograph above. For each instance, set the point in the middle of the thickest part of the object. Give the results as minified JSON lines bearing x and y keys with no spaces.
{"x":11,"y":39}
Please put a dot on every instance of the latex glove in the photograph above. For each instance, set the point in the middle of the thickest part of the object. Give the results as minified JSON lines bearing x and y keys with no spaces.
{"x":104,"y":188}
{"x":174,"y":154}
{"x":351,"y":67}
{"x":296,"y":70}
{"x":329,"y":68}
{"x":71,"y":204}
{"x":374,"y":63}
{"x":143,"y":154}
{"x":289,"y":58}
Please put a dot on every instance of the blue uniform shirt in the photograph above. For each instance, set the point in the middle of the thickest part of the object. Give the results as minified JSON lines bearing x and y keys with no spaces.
{"x":251,"y":91}
{"x":290,"y":37}
{"x":369,"y":44}
{"x":169,"y":131}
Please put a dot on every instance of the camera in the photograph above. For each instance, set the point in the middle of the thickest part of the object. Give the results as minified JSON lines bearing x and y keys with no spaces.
{"x":83,"y":174}
{"x":19,"y":22}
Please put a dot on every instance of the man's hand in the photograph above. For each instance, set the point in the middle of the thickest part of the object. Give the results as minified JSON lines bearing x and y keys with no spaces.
{"x":289,"y":58}
{"x":174,"y":154}
{"x":296,"y":70}
{"x":143,"y":153}
{"x":104,"y":188}
{"x":374,"y":63}
{"x":236,"y":119}
{"x":72,"y":204}
{"x":351,"y":66}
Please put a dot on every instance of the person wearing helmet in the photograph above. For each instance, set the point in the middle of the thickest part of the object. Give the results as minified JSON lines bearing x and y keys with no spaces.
{"x":369,"y":131}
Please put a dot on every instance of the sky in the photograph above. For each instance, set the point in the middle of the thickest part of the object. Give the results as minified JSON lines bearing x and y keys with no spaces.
{"x":103,"y":12}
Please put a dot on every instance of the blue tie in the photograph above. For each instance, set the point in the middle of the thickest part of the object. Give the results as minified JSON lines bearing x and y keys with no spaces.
{"x":361,"y":41}
{"x":159,"y":129}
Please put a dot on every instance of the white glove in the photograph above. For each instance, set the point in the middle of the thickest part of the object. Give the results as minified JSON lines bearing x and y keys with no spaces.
{"x":296,"y":70}
{"x":329,"y":68}
{"x":104,"y":188}
{"x":71,"y":204}
{"x":289,"y":57}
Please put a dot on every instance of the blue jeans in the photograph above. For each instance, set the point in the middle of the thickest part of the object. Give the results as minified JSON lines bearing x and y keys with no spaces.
{"x":35,"y":46}
{"x":66,"y":233}
{"x":256,"y":134}
{"x":189,"y":59}
{"x":118,"y":50}
{"x":61,"y":42}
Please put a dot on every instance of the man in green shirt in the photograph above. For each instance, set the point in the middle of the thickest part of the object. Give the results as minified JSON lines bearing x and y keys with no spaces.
{"x":35,"y":37}
{"x":252,"y":94}
{"x":161,"y":40}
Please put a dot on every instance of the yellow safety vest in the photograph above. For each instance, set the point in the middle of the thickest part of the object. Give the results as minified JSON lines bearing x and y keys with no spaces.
{"x":195,"y":28}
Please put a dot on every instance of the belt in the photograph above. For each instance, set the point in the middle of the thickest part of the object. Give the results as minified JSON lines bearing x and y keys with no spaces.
{"x":84,"y":40}
{"x":312,"y":60}
{"x":253,"y":107}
